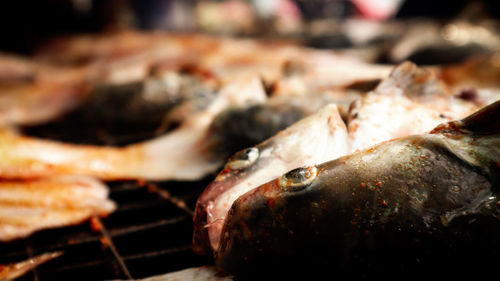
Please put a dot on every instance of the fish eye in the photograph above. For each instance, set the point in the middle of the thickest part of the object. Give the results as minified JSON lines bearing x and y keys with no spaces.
{"x":243,"y":159}
{"x":298,"y":179}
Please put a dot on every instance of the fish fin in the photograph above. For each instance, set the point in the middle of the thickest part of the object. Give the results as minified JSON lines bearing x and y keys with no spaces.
{"x":413,"y":82}
{"x":485,"y":121}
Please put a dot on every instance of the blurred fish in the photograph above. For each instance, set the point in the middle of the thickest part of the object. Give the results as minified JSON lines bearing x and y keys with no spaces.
{"x":32,"y":205}
{"x":476,"y":80}
{"x":432,"y":43}
{"x":180,"y":154}
{"x":32,"y":93}
{"x":165,"y":98}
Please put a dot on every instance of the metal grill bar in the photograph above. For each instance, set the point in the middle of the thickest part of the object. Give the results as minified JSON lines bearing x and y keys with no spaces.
{"x":75,"y":266}
{"x":158,"y":253}
{"x":146,"y":226}
{"x":108,"y":241}
{"x":167,"y":196}
{"x":29,"y":251}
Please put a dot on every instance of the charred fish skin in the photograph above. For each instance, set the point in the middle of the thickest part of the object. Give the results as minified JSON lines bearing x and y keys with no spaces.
{"x":420,"y":203}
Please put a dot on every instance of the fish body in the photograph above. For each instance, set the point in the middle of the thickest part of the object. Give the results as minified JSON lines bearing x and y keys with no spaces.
{"x":422,"y":203}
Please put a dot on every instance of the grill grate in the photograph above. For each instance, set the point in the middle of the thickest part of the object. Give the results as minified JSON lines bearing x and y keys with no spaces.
{"x":149,"y":233}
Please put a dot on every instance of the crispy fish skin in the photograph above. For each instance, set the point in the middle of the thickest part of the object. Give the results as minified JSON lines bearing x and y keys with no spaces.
{"x":29,"y":206}
{"x":420,"y":202}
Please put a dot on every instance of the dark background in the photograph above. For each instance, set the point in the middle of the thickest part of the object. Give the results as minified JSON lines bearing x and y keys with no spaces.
{"x":24,"y":24}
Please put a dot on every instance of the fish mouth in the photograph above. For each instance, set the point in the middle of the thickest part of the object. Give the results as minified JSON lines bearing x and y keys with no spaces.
{"x":207,"y":233}
{"x":200,"y":232}
{"x":201,"y":239}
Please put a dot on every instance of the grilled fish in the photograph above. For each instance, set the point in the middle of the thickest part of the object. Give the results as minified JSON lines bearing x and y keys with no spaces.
{"x":32,"y":205}
{"x":180,"y":154}
{"x":423,"y":204}
{"x":315,"y":139}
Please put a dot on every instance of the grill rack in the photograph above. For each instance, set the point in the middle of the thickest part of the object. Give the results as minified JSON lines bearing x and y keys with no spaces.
{"x":149,"y":233}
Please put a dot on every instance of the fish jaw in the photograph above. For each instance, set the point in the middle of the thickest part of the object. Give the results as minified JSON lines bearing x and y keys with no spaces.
{"x":412,"y":187}
{"x":326,"y":138}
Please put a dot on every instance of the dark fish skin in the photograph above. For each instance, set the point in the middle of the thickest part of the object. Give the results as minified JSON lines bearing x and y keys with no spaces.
{"x":237,"y":128}
{"x":419,"y":205}
{"x":147,"y":101}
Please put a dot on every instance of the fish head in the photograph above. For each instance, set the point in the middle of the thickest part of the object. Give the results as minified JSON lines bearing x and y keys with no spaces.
{"x":263,"y":223}
{"x":326,"y":136}
{"x":237,"y":168}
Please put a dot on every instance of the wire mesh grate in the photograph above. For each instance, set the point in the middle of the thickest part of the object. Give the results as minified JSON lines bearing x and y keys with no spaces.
{"x":149,"y":233}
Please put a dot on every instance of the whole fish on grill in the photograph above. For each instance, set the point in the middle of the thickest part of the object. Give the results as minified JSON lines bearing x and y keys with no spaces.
{"x":424,"y":204}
